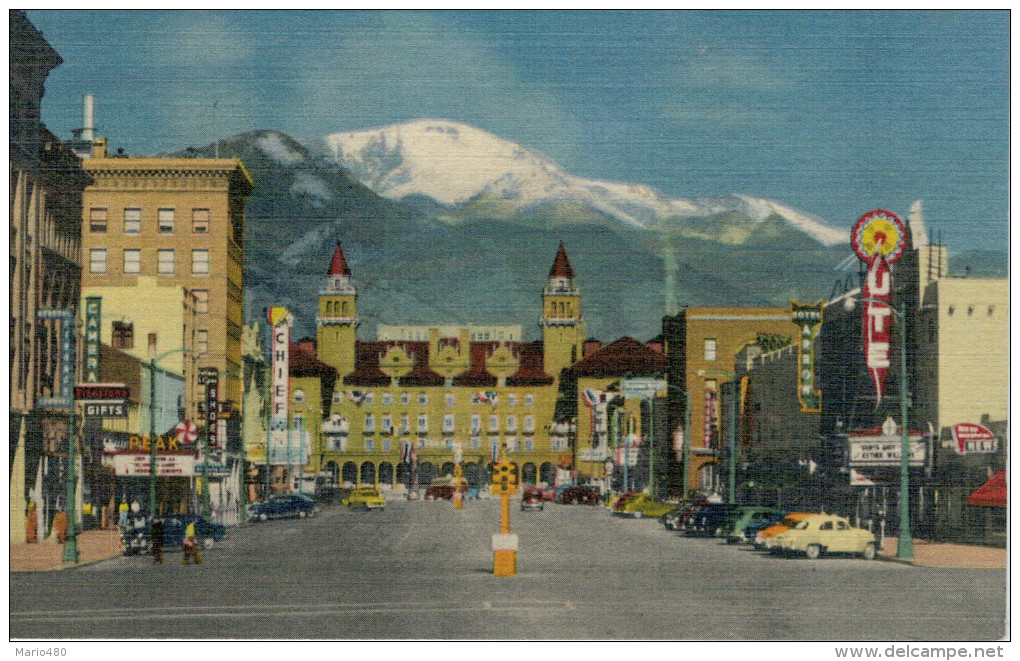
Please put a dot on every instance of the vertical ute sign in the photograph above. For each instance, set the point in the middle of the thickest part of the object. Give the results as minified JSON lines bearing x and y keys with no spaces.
{"x":878,"y":239}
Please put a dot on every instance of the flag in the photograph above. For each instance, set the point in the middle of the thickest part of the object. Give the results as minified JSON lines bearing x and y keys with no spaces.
{"x":356,"y":396}
{"x":492,"y":398}
{"x":481,"y":396}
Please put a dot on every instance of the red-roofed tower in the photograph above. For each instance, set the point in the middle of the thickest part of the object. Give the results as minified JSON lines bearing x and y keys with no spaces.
{"x":337,"y":321}
{"x":562,"y":323}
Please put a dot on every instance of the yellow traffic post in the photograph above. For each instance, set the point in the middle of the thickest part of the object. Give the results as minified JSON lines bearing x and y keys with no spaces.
{"x":504,"y":545}
{"x":458,"y":493}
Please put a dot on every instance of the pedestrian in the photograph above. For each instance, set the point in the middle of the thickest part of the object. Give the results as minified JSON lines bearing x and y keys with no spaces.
{"x":123,"y":510}
{"x":156,"y":538}
{"x":31,"y":523}
{"x":191,"y":546}
{"x":60,"y":526}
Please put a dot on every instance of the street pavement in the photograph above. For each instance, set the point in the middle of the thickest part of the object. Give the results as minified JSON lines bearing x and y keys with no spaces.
{"x":423,"y":570}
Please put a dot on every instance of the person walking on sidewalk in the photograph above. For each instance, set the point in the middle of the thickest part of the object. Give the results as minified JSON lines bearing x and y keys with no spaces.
{"x":191,"y":546}
{"x":156,"y":537}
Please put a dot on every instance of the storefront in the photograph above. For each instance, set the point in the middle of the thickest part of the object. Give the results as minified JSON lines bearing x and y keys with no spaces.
{"x":175,"y":474}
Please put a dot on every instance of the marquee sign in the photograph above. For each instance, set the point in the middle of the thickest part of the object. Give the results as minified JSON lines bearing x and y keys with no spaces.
{"x":280,"y":321}
{"x":809,"y":318}
{"x":131,"y":464}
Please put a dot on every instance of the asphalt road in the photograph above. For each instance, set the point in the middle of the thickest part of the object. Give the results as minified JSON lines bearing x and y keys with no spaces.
{"x":423,"y":570}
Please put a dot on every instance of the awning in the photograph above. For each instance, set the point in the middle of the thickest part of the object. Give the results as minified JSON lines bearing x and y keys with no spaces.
{"x":992,"y":493}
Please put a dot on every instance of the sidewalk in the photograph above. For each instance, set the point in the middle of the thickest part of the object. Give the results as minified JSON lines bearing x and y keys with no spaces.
{"x":93,"y":545}
{"x":942,"y":554}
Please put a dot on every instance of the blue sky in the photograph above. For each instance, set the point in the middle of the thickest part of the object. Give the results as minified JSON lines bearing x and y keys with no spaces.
{"x":834,"y":113}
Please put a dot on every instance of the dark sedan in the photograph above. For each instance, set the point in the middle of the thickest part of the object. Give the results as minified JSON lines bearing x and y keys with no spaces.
{"x":286,"y":505}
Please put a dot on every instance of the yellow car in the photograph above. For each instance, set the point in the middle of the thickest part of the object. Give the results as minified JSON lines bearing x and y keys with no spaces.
{"x":642,"y":504}
{"x":766,"y":539}
{"x":366,"y":497}
{"x":826,"y":533}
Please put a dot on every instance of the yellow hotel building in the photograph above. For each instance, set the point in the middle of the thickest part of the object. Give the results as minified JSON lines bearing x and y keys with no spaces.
{"x":442,"y":399}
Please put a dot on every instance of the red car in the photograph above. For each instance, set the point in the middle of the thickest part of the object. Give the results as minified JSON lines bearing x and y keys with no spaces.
{"x":440,"y":492}
{"x":579,"y":495}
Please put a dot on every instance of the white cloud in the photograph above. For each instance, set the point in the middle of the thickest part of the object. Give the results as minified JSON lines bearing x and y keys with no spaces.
{"x":308,"y":184}
{"x":273,"y":146}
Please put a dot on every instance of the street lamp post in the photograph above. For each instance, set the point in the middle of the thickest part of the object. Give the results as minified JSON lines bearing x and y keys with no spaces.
{"x":905,"y":540}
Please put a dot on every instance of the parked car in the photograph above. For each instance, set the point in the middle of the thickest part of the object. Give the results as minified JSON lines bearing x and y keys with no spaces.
{"x":765,"y":539}
{"x":708,"y":520}
{"x":440,"y":492}
{"x":580,"y":495}
{"x":751,"y":531}
{"x":675,"y":518}
{"x":744,"y":518}
{"x":532,"y":500}
{"x":826,"y":533}
{"x":367,"y":498}
{"x":641,"y":505}
{"x":282,"y":506}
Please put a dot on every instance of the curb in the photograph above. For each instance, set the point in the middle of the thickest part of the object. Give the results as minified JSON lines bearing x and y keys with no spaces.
{"x":64,"y":565}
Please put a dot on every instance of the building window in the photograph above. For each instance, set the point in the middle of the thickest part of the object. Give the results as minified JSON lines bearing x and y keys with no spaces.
{"x":493,"y":423}
{"x":512,"y":400}
{"x":529,"y":400}
{"x":202,"y":341}
{"x":369,"y":444}
{"x":529,"y":424}
{"x":97,"y":220}
{"x":299,"y":396}
{"x":511,"y":423}
{"x":423,"y":423}
{"x":709,"y":348}
{"x":449,"y":400}
{"x":559,"y":443}
{"x":201,"y":300}
{"x":386,"y":445}
{"x":476,"y":443}
{"x":166,"y":262}
{"x":529,"y":445}
{"x":448,"y":422}
{"x":200,"y":221}
{"x":387,"y":424}
{"x":97,"y":260}
{"x":476,"y":423}
{"x":338,"y":396}
{"x":123,"y":335}
{"x":166,"y":221}
{"x":405,"y":399}
{"x":405,"y":424}
{"x":132,"y":261}
{"x":369,"y":398}
{"x":132,"y":220}
{"x":423,"y":400}
{"x":369,"y":422}
{"x":199,"y":261}
{"x":387,"y":399}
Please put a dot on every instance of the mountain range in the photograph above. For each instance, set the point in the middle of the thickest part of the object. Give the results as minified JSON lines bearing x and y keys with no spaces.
{"x":442,"y":222}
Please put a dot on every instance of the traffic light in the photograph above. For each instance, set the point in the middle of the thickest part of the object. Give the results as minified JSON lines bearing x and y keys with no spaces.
{"x":504,"y":479}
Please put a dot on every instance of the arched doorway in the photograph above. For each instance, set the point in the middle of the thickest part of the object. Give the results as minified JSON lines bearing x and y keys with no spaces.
{"x":350,"y":474}
{"x":404,"y":473}
{"x":426,"y":473}
{"x":547,"y":473}
{"x":331,"y":474}
{"x":447,"y":469}
{"x":386,"y":473}
{"x":529,"y":473}
{"x":475,"y":474}
{"x":368,"y":473}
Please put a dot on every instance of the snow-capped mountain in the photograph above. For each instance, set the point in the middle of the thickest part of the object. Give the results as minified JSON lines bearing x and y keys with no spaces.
{"x":456,"y":164}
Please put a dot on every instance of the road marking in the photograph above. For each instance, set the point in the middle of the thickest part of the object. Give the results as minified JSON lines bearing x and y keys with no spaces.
{"x":282,"y":610}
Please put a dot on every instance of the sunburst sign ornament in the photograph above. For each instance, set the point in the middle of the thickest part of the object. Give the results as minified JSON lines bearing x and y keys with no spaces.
{"x":876,"y":233}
